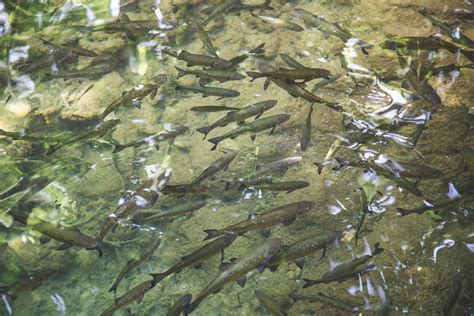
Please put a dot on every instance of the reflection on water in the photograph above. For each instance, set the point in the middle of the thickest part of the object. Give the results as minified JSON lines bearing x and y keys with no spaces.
{"x":323,"y":151}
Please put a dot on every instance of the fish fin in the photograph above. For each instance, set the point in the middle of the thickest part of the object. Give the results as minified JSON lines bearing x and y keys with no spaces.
{"x":64,"y":246}
{"x":113,"y":288}
{"x":114,"y":228}
{"x":253,"y":136}
{"x":222,"y":255}
{"x":198,"y":265}
{"x":241,"y":281}
{"x":289,"y":221}
{"x":263,"y":265}
{"x":364,"y":51}
{"x":44,"y":239}
{"x":118,"y":148}
{"x":299,"y":263}
{"x":224,"y":266}
{"x":308,"y":283}
{"x":289,"y":191}
{"x":258,"y":115}
{"x":325,"y":35}
{"x":204,"y":130}
{"x":320,"y":166}
{"x":215,"y":141}
{"x":325,"y":249}
{"x":273,"y":129}
{"x":274,"y":268}
{"x":181,"y":72}
{"x":157,"y":277}
{"x":211,"y":233}
{"x":253,"y":74}
{"x":259,"y":49}
{"x":153,"y":93}
{"x":266,"y":84}
{"x":140,"y":298}
{"x":403,"y":211}
{"x":266,"y":232}
{"x":204,"y":81}
{"x":377,"y":249}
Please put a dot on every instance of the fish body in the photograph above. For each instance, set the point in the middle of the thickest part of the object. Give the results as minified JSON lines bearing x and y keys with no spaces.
{"x":220,"y":10}
{"x":305,"y":74}
{"x":213,"y":108}
{"x":187,"y":207}
{"x":83,"y":73}
{"x":279,"y":23}
{"x":239,"y":7}
{"x":14,"y":290}
{"x":75,"y":50}
{"x":285,"y":215}
{"x":306,"y":133}
{"x":98,"y":131}
{"x":320,"y":297}
{"x":219,"y":74}
{"x":220,"y":164}
{"x":135,"y":294}
{"x":198,"y":256}
{"x":179,"y":307}
{"x":269,"y":304}
{"x":153,"y":139}
{"x":257,"y":258}
{"x":269,"y":122}
{"x":135,"y":262}
{"x":428,"y":206}
{"x":364,"y":210}
{"x":302,"y":248}
{"x":202,"y":60}
{"x":206,"y":41}
{"x":240,"y":115}
{"x":288,"y":186}
{"x":290,"y":61}
{"x":31,"y":138}
{"x":209,"y":91}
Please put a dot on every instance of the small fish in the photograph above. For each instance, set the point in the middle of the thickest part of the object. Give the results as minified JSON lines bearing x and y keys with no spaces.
{"x":83,"y":73}
{"x":364,"y":210}
{"x":220,"y":10}
{"x":269,"y":304}
{"x":269,"y":122}
{"x":33,"y":281}
{"x":320,"y":297}
{"x":217,"y":74}
{"x":256,"y":109}
{"x":75,"y":50}
{"x":285,"y":215}
{"x":164,"y":214}
{"x":206,"y":41}
{"x":179,"y":307}
{"x":454,"y":33}
{"x":428,"y":206}
{"x":328,"y":28}
{"x":146,"y":195}
{"x":23,"y":135}
{"x":153,"y":139}
{"x":198,"y":256}
{"x":235,"y":61}
{"x":413,"y":170}
{"x":239,"y":7}
{"x":220,"y":164}
{"x":199,"y":60}
{"x":290,"y":61}
{"x":445,"y":70}
{"x":209,"y":91}
{"x":305,"y":74}
{"x":324,"y":82}
{"x":183,"y":189}
{"x":302,"y":248}
{"x":135,"y":262}
{"x":97,"y":131}
{"x":279,"y":23}
{"x":288,"y":186}
{"x":213,"y":108}
{"x":345,"y":270}
{"x":256,"y":259}
{"x":306,"y":133}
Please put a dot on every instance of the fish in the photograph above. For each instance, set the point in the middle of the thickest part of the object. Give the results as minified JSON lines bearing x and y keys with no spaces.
{"x":269,"y":122}
{"x":327,"y":28}
{"x":198,"y":60}
{"x":135,"y":262}
{"x":70,"y":236}
{"x":83,"y":73}
{"x":290,"y":61}
{"x":279,"y":23}
{"x":133,"y":28}
{"x":209,"y":91}
{"x":322,"y":298}
{"x":444,"y":70}
{"x":285,"y":215}
{"x":288,"y":186}
{"x":184,"y":208}
{"x":306,"y":74}
{"x":255,"y":259}
{"x":213,"y":108}
{"x":198,"y":256}
{"x":235,"y":61}
{"x":135,"y":294}
{"x":219,"y":11}
{"x":345,"y":270}
{"x":180,"y":305}
{"x":183,"y":189}
{"x":332,"y":150}
{"x":262,"y":173}
{"x":239,"y":7}
{"x":302,"y":248}
{"x":75,"y":50}
{"x":134,"y":96}
{"x":218,"y":74}
{"x":33,"y":281}
{"x":325,"y":81}
{"x":220,"y":164}
{"x":240,"y":115}
{"x":155,"y":139}
{"x":269,"y":304}
{"x":97,"y":131}
{"x":428,"y":206}
{"x":364,"y":210}
{"x":453,"y":33}
{"x":206,"y":41}
{"x":23,"y":135}
{"x":413,"y":170}
{"x":146,"y":195}
{"x":306,"y":132}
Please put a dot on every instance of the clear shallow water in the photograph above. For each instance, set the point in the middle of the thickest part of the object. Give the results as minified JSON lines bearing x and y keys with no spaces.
{"x":427,"y":259}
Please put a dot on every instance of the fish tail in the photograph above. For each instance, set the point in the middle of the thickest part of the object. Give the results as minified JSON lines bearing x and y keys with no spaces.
{"x":113,"y":288}
{"x":259,"y":49}
{"x":320,"y":166}
{"x":2,"y":132}
{"x":98,"y":246}
{"x":308,"y":283}
{"x":191,"y":307}
{"x":157,"y":277}
{"x":215,"y":141}
{"x":403,"y":211}
{"x":181,"y":72}
{"x":118,"y":148}
{"x":252,"y":74}
{"x":211,"y":233}
{"x":377,"y":249}
{"x":204,"y":130}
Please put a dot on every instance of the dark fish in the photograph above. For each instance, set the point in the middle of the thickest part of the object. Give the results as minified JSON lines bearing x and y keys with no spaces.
{"x":206,"y":41}
{"x":153,"y":139}
{"x":134,"y":96}
{"x":235,"y":61}
{"x":320,"y":297}
{"x":345,"y":270}
{"x":70,"y":236}
{"x":213,"y":108}
{"x":328,"y":28}
{"x":198,"y":256}
{"x":288,"y":186}
{"x":256,"y":259}
{"x":179,"y":307}
{"x":20,"y":185}
{"x":306,"y":133}
{"x":290,"y":61}
{"x":302,"y":248}
{"x":305,"y":74}
{"x":220,"y":164}
{"x":285,"y":215}
{"x":184,"y":189}
{"x":240,"y":115}
{"x":75,"y":50}
{"x":209,"y":91}
{"x":32,"y":138}
{"x":199,"y":60}
{"x":217,"y":74}
{"x":269,"y":304}
{"x":14,"y":290}
{"x":454,"y":33}
{"x":428,"y":206}
{"x":145,"y":196}
{"x":98,"y":131}
{"x":220,"y":10}
{"x":325,"y":82}
{"x":364,"y":210}
{"x":269,"y":122}
{"x":135,"y":294}
{"x":184,"y":208}
{"x":135,"y":262}
{"x":83,"y":73}
{"x":133,"y":28}
{"x":279,"y":23}
{"x":445,"y":70}
{"x":413,"y":170}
